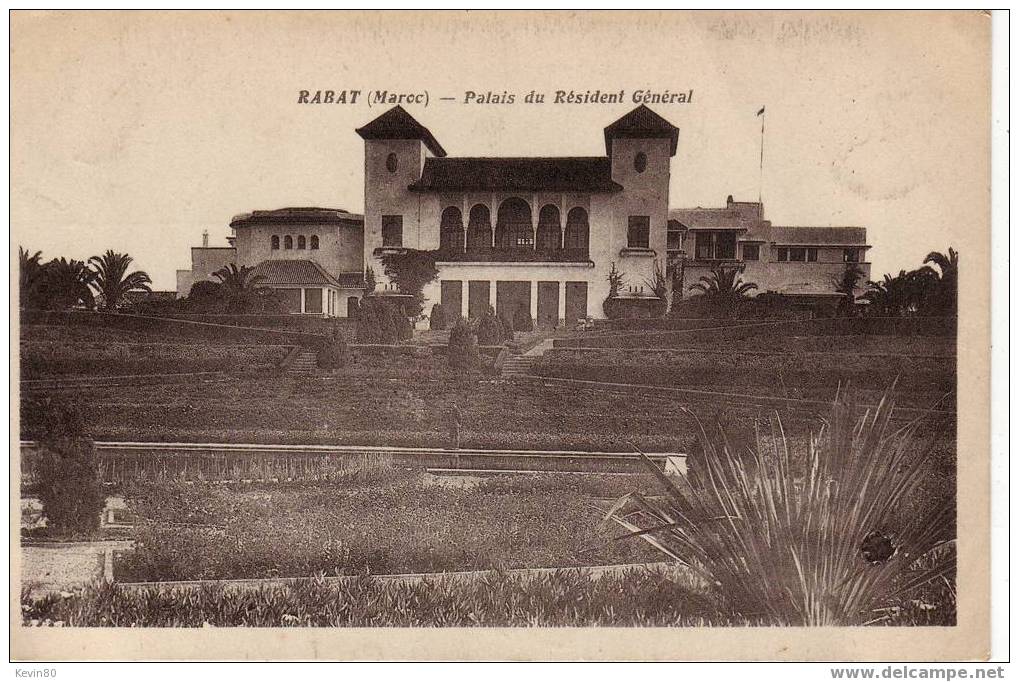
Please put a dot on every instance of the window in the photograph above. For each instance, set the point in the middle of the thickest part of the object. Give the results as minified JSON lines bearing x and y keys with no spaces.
{"x":798,"y":254}
{"x":674,"y":240}
{"x":783,"y":254}
{"x":550,"y":235}
{"x":812,"y":255}
{"x":301,"y":243}
{"x":314,"y":241}
{"x":288,"y":242}
{"x":751,"y":252}
{"x":719,"y":245}
{"x":392,"y":230}
{"x":640,"y":162}
{"x":638,"y":233}
{"x":851,"y":256}
{"x":451,"y":230}
{"x":275,"y":242}
{"x":391,"y":163}
{"x":513,"y":225}
{"x":313,"y":301}
{"x":578,"y":231}
{"x":479,"y":228}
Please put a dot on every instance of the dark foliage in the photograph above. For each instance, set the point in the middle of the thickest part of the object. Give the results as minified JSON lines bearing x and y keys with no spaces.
{"x":462,"y":353}
{"x":410,"y":270}
{"x":67,"y":475}
{"x":522,"y":320}
{"x":437,"y":320}
{"x":333,"y":352}
{"x":381,"y":321}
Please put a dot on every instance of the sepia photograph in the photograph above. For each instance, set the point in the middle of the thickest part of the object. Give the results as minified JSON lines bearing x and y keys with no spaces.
{"x":496,"y":335}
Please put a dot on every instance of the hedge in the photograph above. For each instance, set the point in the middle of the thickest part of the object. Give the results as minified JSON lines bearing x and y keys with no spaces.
{"x":170,"y":327}
{"x":896,"y":326}
{"x":47,"y":359}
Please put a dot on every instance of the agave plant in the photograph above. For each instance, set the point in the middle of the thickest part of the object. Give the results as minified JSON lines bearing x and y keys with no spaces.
{"x":112,"y":279}
{"x":814,"y":542}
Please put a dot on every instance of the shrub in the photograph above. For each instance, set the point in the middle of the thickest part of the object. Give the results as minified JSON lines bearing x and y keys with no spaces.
{"x":462,"y":352}
{"x":376,"y":322}
{"x":490,"y":330}
{"x":333,"y":353}
{"x":834,"y":549}
{"x":66,"y":471}
{"x":522,"y":320}
{"x":437,"y":320}
{"x":404,"y":327}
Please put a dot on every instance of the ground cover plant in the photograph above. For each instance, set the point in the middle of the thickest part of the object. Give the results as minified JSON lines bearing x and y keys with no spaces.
{"x":821,"y":537}
{"x":564,"y":599}
{"x":495,"y":599}
{"x":389,"y":522}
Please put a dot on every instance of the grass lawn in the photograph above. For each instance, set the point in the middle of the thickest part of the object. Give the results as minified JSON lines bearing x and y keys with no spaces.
{"x":399,"y":522}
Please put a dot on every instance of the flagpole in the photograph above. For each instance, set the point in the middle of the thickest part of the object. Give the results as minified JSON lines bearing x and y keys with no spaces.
{"x":760,"y":185}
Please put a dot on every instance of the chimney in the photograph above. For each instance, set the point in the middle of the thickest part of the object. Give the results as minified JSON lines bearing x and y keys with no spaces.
{"x":205,"y":237}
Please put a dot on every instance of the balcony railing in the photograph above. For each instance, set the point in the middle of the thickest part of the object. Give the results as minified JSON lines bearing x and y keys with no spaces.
{"x":514,"y":255}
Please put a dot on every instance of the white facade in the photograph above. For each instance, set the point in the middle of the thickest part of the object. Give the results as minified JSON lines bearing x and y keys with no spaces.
{"x":528,"y":249}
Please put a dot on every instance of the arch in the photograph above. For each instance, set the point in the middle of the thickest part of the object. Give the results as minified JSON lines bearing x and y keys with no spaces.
{"x":479,"y":228}
{"x":513,"y":229}
{"x":275,"y":242}
{"x":578,"y":232}
{"x":288,"y":242}
{"x":550,"y":231}
{"x":301,"y":242}
{"x":451,"y":230}
{"x":313,"y":241}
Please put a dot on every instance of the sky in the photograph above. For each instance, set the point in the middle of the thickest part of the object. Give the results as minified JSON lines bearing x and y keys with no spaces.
{"x":138,"y":131}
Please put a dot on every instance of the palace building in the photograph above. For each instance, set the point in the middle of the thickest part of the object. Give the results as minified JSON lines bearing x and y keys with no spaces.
{"x":537,"y":233}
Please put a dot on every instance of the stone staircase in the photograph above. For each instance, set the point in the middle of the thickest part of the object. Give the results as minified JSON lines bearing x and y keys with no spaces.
{"x":305,"y":364}
{"x":519,"y":365}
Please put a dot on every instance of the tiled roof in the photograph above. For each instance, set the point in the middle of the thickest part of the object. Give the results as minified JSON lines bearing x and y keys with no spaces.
{"x":302,"y":215}
{"x":642,"y":122}
{"x":397,"y":124}
{"x":817,"y":235}
{"x":522,"y":174}
{"x":292,"y":272}
{"x":351,"y":280}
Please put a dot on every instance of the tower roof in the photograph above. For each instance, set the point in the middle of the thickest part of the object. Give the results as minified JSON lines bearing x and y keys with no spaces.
{"x":397,"y":124}
{"x":642,"y":123}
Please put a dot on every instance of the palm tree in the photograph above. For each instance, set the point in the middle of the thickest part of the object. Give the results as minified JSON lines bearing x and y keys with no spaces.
{"x":243,"y":292}
{"x":846,"y":285}
{"x":66,"y":284}
{"x":724,"y":287}
{"x":112,"y":279}
{"x":238,"y":278}
{"x":944,"y":294}
{"x":31,"y":273}
{"x":907,"y":293}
